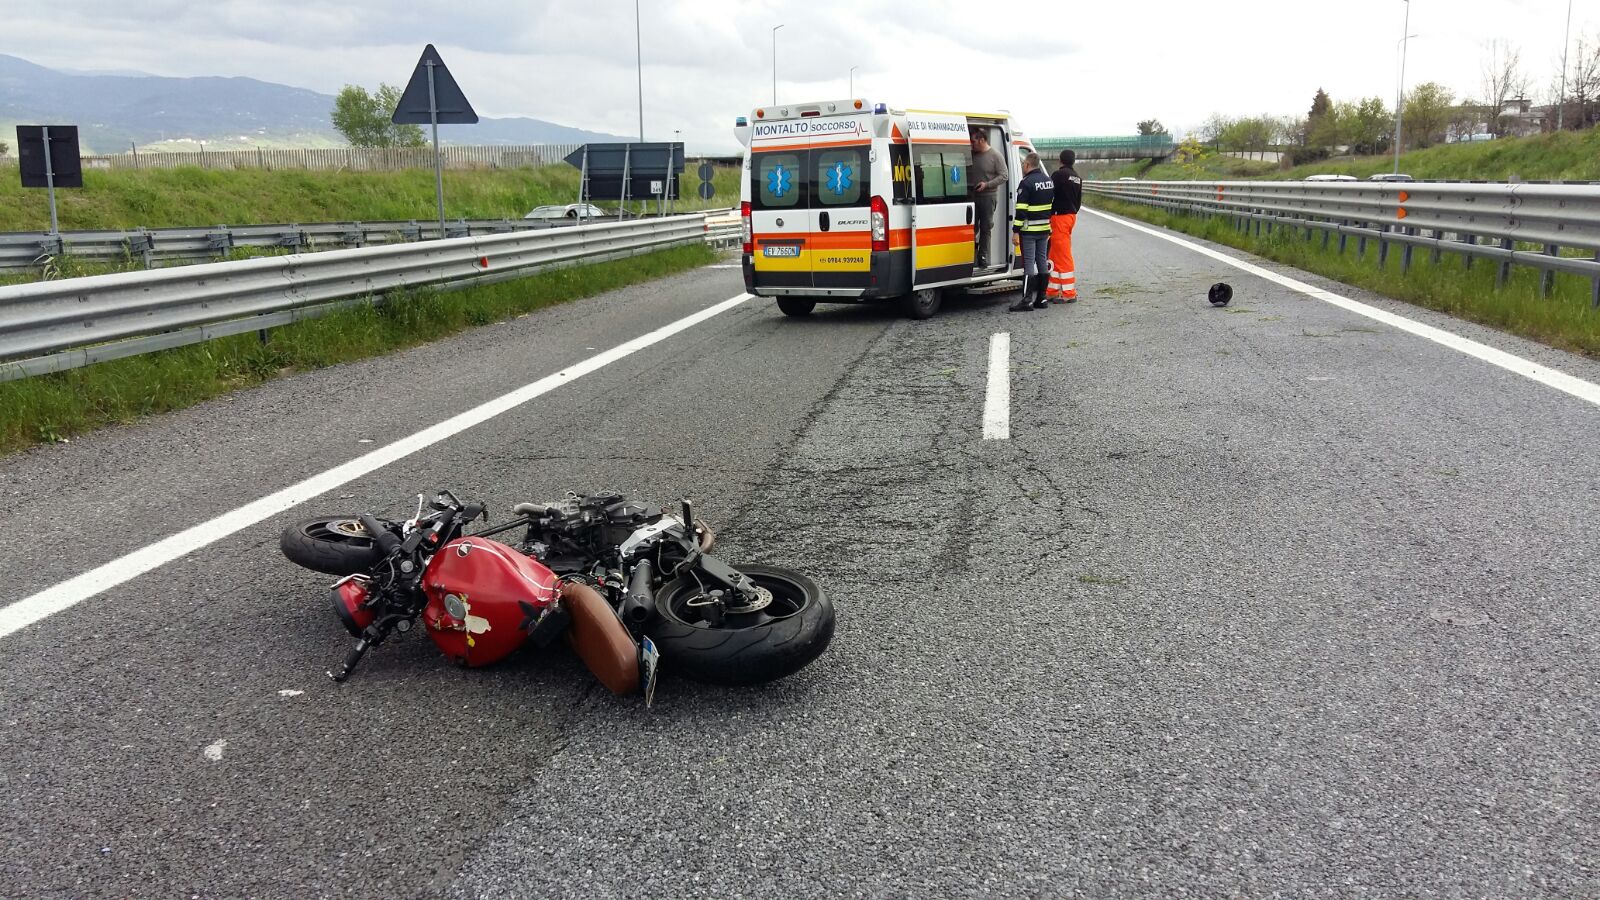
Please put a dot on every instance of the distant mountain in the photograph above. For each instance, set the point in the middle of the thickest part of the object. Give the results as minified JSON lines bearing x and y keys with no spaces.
{"x":112,"y":111}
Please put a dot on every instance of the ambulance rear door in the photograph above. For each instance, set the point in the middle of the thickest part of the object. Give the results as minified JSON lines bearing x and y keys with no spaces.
{"x":810,"y":214}
{"x":942,"y":214}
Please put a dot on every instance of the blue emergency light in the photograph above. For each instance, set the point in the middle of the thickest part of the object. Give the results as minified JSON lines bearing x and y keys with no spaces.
{"x":741,"y":122}
{"x":880,"y":108}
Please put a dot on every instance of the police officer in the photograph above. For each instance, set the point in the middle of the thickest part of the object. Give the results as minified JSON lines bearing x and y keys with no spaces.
{"x":1064,"y":217}
{"x":1035,"y":199}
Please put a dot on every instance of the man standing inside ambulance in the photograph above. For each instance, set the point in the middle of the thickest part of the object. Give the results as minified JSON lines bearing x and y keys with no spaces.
{"x":990,"y":181}
{"x":1064,"y":217}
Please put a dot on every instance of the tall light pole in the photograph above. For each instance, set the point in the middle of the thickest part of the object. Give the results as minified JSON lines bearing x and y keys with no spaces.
{"x":1400,"y":97}
{"x":1566,"y":42}
{"x":639,"y":48}
{"x":853,"y":80}
{"x":775,"y":62}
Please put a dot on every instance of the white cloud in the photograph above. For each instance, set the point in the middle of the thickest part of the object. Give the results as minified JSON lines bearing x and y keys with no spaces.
{"x":1063,"y":67}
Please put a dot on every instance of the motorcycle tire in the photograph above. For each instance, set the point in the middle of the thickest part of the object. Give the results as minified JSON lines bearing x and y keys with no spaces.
{"x":748,"y":648}
{"x":333,"y":545}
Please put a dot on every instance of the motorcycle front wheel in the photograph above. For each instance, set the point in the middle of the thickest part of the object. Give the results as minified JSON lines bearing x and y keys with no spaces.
{"x":745,"y":647}
{"x":334,"y":545}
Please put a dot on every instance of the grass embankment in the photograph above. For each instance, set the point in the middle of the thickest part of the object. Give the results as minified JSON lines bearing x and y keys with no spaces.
{"x":1566,"y":156}
{"x":54,"y":407}
{"x":163,"y":198}
{"x":1563,"y":320}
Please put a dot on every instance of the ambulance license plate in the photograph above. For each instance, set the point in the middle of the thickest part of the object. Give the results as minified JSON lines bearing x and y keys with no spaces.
{"x":790,"y":251}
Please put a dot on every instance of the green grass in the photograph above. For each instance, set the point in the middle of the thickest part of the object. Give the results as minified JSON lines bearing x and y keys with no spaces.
{"x":160,"y":198}
{"x":1563,"y":320}
{"x":58,"y":406}
{"x":1567,"y":156}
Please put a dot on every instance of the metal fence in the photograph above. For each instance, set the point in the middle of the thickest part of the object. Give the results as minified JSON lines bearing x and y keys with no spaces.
{"x":23,"y":251}
{"x":354,"y":159}
{"x":56,"y":325}
{"x":1513,"y":224}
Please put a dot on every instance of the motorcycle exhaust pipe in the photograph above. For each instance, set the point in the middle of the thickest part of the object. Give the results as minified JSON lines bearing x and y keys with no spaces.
{"x":639,"y":601}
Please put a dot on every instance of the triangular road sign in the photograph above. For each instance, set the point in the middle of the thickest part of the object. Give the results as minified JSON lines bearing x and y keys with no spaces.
{"x":452,"y":104}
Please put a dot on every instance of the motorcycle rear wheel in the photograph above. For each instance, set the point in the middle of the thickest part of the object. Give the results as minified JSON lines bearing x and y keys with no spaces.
{"x":747,"y":648}
{"x":334,"y":545}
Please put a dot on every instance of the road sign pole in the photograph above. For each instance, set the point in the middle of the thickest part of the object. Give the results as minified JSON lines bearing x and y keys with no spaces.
{"x":583,"y":186}
{"x":438,"y":168}
{"x":50,"y":181}
{"x":622,"y":206}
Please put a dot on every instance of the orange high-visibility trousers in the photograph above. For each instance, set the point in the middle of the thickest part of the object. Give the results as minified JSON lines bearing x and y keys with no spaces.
{"x":1063,"y":277}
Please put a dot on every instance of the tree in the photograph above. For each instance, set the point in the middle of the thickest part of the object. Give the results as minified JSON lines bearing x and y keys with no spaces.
{"x":364,"y":119}
{"x":1582,"y":97}
{"x":4,"y":148}
{"x":1427,"y":114}
{"x":1152,"y":126}
{"x":1321,"y":104}
{"x":1366,"y":126}
{"x":1503,"y":81}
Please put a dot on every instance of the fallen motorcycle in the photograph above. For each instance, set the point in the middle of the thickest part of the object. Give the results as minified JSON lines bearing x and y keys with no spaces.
{"x":629,"y":587}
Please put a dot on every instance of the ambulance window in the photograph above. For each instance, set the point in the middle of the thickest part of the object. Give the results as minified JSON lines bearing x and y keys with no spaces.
{"x":900,"y":166}
{"x":942,"y":174}
{"x":840,"y":176}
{"x":779,"y":180}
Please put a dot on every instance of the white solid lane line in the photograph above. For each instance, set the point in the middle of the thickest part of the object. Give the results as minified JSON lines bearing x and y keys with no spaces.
{"x":75,"y":590}
{"x":1561,"y":381}
{"x":997,"y":400}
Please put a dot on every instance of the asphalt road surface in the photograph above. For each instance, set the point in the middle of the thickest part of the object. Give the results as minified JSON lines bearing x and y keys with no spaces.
{"x":1266,"y":599}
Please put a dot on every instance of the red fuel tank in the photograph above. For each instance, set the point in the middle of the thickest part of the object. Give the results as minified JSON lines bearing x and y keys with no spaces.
{"x":483,"y":597}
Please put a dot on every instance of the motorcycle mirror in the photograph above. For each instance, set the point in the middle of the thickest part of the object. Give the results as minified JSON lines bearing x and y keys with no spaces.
{"x":688,"y":516}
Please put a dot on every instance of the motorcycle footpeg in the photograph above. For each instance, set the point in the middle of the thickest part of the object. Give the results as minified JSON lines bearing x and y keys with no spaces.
{"x":351,"y":661}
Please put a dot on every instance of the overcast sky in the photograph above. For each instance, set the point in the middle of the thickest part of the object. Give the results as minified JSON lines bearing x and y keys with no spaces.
{"x":1063,"y":67}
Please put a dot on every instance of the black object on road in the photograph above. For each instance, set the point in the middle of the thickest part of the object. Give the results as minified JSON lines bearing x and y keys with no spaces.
{"x":1220,"y":294}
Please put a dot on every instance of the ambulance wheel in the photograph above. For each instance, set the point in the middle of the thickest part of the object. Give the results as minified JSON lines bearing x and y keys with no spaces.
{"x":796,"y":306}
{"x":921,"y":304}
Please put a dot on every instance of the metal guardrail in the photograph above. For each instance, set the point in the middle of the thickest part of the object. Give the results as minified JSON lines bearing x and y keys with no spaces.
{"x":23,"y":251}
{"x":1491,"y":221}
{"x":50,"y":326}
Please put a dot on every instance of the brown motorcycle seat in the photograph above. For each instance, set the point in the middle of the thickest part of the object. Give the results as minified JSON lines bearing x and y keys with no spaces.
{"x":600,"y":639}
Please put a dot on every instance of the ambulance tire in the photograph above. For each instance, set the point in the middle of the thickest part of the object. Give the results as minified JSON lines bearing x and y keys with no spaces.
{"x":921,"y":304}
{"x":796,"y":306}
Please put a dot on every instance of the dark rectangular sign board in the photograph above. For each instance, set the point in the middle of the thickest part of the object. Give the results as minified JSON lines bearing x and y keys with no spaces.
{"x":653,"y":170}
{"x":611,"y":159}
{"x":64,"y":161}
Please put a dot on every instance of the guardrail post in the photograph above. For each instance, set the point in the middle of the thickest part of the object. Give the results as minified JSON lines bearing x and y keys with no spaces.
{"x":1383,"y":247}
{"x":1505,"y":264}
{"x":220,"y":242}
{"x":1471,"y":241}
{"x":1547,"y":282}
{"x":1344,"y":237}
{"x":1438,"y":253}
{"x":1361,"y":247}
{"x":1405,"y":252}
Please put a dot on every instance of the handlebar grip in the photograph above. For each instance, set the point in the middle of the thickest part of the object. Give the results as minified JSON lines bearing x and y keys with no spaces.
{"x":383,"y":537}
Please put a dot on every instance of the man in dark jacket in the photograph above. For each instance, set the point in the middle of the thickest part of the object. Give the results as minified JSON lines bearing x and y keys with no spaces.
{"x":1035,"y":200}
{"x":1064,"y":217}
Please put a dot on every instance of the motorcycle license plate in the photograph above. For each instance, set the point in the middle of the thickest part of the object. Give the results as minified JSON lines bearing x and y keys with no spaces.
{"x":782,"y":251}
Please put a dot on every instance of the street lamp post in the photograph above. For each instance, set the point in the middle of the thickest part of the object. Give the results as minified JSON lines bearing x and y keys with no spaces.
{"x":775,"y":64}
{"x":639,"y":48}
{"x":1566,"y":43}
{"x":853,"y":80}
{"x":1400,"y":97}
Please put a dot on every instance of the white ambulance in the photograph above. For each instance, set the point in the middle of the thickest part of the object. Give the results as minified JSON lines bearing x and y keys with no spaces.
{"x":847,"y":201}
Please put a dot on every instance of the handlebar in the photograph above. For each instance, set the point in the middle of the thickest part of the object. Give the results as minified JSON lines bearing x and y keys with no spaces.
{"x":383,"y":537}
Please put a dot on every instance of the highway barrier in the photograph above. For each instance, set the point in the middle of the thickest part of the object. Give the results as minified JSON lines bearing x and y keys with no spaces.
{"x":51,"y":326}
{"x":1512,"y":224}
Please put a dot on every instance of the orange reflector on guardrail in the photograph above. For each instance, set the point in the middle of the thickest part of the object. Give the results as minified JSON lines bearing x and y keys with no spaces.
{"x":1404,"y":196}
{"x":1402,"y":213}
